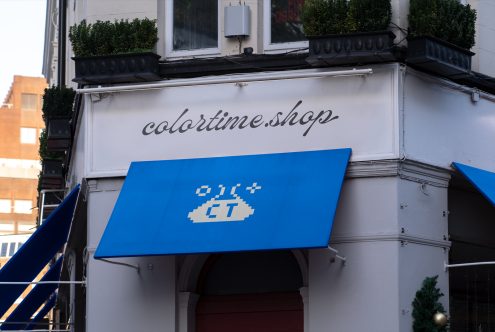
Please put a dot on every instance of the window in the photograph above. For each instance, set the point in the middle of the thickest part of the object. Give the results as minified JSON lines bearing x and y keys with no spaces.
{"x":28,"y":135}
{"x":5,"y":206}
{"x":12,"y":248}
{"x":3,"y":250}
{"x":29,"y":101}
{"x":283,"y":25}
{"x":23,"y":206}
{"x":192,"y":27}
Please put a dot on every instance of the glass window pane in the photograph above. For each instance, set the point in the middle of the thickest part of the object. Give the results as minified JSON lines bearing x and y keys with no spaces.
{"x":23,"y":206}
{"x":12,"y":249}
{"x":3,"y":251}
{"x":286,"y":21}
{"x":195,"y":24}
{"x":5,"y":206}
{"x":29,"y":101}
{"x":28,"y":135}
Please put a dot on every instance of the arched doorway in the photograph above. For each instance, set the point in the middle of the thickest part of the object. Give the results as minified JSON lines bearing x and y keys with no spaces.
{"x":247,"y":292}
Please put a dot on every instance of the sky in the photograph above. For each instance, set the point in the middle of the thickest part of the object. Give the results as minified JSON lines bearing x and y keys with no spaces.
{"x":22,"y":33}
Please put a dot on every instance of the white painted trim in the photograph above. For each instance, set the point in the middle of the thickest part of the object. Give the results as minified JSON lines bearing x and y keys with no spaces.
{"x":169,"y":28}
{"x":187,"y":311}
{"x":304,"y":291}
{"x":258,"y":77}
{"x":268,"y":46}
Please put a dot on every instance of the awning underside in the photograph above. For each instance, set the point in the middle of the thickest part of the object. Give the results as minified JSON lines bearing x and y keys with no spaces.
{"x":481,"y":179}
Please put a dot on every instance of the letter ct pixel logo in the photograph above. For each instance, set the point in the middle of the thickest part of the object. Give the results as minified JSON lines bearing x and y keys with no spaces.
{"x":223,"y":207}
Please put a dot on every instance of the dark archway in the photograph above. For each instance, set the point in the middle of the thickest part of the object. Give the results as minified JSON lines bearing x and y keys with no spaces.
{"x":246,"y":292}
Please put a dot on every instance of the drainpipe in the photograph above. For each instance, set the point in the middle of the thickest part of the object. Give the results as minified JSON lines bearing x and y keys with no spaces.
{"x":62,"y":22}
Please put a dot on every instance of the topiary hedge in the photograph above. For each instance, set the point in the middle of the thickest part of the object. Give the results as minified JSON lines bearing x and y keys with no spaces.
{"x":325,"y":17}
{"x":57,"y":102}
{"x":445,"y":19}
{"x":118,"y":37}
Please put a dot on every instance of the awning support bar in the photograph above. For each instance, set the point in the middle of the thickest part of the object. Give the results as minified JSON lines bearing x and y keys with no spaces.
{"x":448,"y":266}
{"x":42,"y":282}
{"x":135,"y":267}
{"x":335,"y":255}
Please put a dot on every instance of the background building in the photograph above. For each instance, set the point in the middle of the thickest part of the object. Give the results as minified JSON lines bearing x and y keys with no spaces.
{"x":20,"y":126}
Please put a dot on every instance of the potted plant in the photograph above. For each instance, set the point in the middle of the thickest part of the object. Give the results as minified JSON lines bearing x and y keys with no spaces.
{"x":440,"y":34}
{"x":348,"y":32}
{"x":115,"y":52}
{"x":57,"y":113}
{"x":52,"y":172}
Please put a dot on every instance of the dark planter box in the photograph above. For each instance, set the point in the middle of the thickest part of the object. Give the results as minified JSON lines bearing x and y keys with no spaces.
{"x":439,"y":57}
{"x":52,"y":174}
{"x":351,"y":48}
{"x":118,"y":68}
{"x":58,"y":135}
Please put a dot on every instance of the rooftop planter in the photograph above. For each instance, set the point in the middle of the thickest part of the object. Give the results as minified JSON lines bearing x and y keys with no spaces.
{"x":115,"y":52}
{"x":344,"y":32}
{"x":441,"y":32}
{"x":57,"y":113}
{"x":52,"y":172}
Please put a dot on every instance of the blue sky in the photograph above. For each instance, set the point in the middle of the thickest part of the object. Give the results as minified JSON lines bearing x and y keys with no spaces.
{"x":22,"y":30}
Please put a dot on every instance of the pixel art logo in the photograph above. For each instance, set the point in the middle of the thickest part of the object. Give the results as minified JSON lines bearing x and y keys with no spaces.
{"x":223,"y":207}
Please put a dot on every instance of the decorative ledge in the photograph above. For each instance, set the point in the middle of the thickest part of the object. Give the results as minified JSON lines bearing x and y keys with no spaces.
{"x":119,"y":68}
{"x":353,"y":48}
{"x":439,"y":57}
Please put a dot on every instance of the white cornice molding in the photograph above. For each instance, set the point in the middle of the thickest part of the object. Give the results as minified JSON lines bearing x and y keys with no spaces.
{"x":404,"y":168}
{"x":404,"y":239}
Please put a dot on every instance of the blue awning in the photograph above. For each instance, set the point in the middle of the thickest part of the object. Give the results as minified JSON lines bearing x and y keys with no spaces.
{"x":226,"y":204}
{"x":483,"y":180}
{"x":20,"y":317}
{"x":37,"y":251}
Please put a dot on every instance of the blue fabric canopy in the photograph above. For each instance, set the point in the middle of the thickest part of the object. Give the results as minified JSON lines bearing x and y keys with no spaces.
{"x":483,"y":180}
{"x":43,"y":312}
{"x":22,"y":314}
{"x":37,"y":251}
{"x":225,"y":204}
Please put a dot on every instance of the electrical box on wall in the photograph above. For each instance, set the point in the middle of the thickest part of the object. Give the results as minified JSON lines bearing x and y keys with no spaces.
{"x":237,"y":21}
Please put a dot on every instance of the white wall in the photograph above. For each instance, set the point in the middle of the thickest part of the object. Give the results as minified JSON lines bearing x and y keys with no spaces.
{"x":118,"y":297}
{"x":442,"y":124}
{"x":484,"y":60}
{"x":366,"y":108}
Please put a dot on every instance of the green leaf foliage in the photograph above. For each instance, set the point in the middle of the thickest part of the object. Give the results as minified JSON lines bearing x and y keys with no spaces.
{"x":369,"y":15}
{"x":324,"y":17}
{"x":118,"y":37}
{"x":445,"y":19}
{"x":44,"y":154}
{"x":57,"y":102}
{"x":425,"y":305}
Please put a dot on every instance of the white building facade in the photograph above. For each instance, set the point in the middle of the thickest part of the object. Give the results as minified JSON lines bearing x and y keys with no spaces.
{"x":404,"y":211}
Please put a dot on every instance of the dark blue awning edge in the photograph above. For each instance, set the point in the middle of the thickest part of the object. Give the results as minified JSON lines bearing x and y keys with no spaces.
{"x":34,"y":300}
{"x":43,"y":312}
{"x":37,"y":251}
{"x":482,"y":180}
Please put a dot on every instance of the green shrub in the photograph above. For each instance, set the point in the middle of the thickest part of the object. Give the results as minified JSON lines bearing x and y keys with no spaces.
{"x":44,"y":154}
{"x":118,"y":37}
{"x":369,"y":15}
{"x":425,"y":305}
{"x":445,"y":19}
{"x":57,"y":102}
{"x":324,"y":17}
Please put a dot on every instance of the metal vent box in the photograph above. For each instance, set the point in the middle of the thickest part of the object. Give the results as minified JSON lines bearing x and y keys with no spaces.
{"x":237,"y":21}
